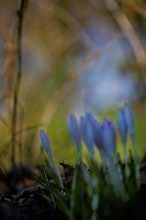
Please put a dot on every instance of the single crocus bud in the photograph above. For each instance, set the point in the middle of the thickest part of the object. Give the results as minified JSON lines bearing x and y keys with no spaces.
{"x":122,"y":125}
{"x":45,"y":143}
{"x":96,"y":130}
{"x":129,"y":120}
{"x":108,"y":136}
{"x":74,"y":131}
{"x":87,"y":134}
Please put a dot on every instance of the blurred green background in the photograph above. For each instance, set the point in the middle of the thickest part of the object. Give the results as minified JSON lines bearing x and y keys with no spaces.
{"x":77,"y":56}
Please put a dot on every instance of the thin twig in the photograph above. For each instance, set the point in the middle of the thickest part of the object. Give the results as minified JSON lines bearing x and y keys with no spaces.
{"x":20,"y":13}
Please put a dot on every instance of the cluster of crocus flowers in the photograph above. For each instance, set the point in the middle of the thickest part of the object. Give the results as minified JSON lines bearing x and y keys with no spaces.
{"x":94,"y":134}
{"x":102,"y":136}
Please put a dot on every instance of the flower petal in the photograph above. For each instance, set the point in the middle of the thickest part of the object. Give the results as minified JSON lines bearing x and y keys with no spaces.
{"x":122,"y":125}
{"x":87,"y":134}
{"x":74,"y":131}
{"x":45,"y":143}
{"x":108,"y":136}
{"x":96,"y":129}
{"x":129,"y":120}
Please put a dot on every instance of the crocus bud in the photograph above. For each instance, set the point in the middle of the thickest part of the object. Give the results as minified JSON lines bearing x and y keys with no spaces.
{"x":122,"y":125}
{"x":96,"y":130}
{"x":87,"y":134}
{"x":45,"y":143}
{"x":129,"y":120}
{"x":74,"y":131}
{"x":108,"y":136}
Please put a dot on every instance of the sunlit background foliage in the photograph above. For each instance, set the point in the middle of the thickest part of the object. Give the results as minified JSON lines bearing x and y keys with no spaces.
{"x":77,"y":56}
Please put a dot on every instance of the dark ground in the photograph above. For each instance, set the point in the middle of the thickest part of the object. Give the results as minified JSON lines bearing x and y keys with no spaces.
{"x":21,"y":200}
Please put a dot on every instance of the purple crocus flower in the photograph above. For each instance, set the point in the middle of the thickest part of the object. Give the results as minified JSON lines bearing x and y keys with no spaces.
{"x":121,"y":124}
{"x":125,"y":122}
{"x":108,"y":136}
{"x":129,"y":120}
{"x":46,"y":143}
{"x":74,"y":131}
{"x":96,"y":130}
{"x":87,"y":133}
